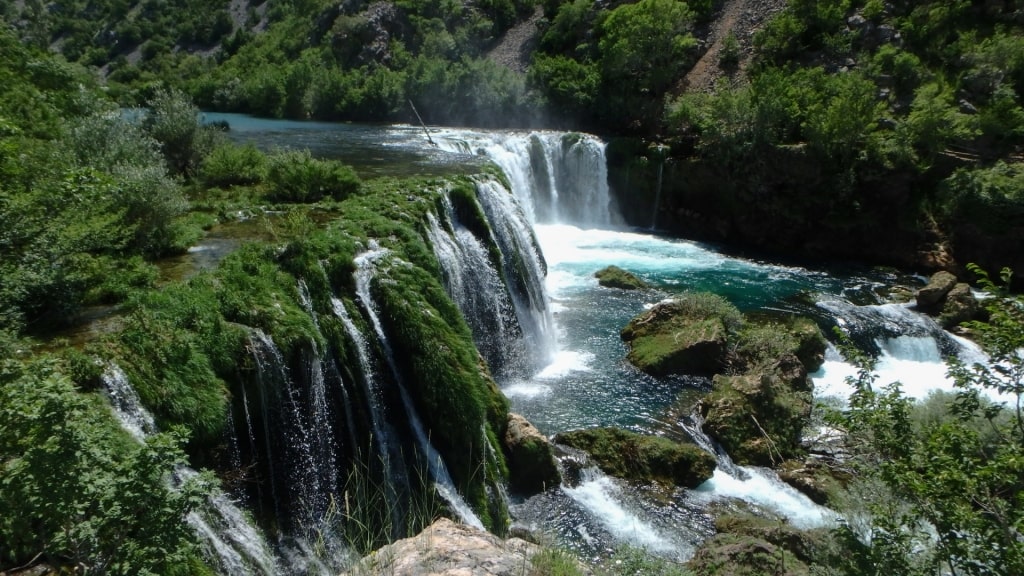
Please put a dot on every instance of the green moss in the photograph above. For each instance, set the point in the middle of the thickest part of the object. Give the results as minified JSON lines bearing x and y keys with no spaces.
{"x":615,"y":277}
{"x":666,"y":340}
{"x":645,"y":458}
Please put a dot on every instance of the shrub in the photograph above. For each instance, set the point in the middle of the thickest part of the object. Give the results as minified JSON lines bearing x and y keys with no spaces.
{"x":233,"y":165}
{"x":296,"y":176}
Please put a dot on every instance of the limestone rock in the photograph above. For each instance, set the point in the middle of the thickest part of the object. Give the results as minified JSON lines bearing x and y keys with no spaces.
{"x":668,"y":340}
{"x":635,"y":456}
{"x":531,"y":460}
{"x":758,"y":417}
{"x":959,"y":306}
{"x":938,"y":286}
{"x":814,"y":478}
{"x":615,"y":277}
{"x":446,"y":548}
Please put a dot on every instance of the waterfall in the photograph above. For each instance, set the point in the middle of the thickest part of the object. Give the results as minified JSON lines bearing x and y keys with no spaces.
{"x":475,"y":286}
{"x":309,"y":472}
{"x":231,"y":539}
{"x":365,"y":268}
{"x":558,"y":177}
{"x":759,"y":487}
{"x":387,"y":450}
{"x":523,"y":267}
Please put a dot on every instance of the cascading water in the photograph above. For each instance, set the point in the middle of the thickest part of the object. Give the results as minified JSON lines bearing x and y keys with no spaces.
{"x":558,"y":177}
{"x":309,"y":493}
{"x":236,"y":545}
{"x":477,"y":289}
{"x":365,"y":269}
{"x":387,"y":449}
{"x":523,"y":267}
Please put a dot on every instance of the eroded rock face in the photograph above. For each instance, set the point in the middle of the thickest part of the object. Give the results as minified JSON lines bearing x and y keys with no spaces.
{"x":633,"y":456}
{"x":446,"y":548}
{"x":531,"y":460}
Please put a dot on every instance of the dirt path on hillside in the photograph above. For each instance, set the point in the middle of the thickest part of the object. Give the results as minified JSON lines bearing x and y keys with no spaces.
{"x":741,"y":17}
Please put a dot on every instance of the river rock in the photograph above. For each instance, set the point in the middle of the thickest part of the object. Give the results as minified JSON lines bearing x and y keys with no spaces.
{"x":817,"y":480}
{"x":633,"y":456}
{"x":667,"y":339}
{"x":938,"y":286}
{"x":615,"y":277}
{"x":531,"y":460}
{"x":959,"y":306}
{"x":446,"y":548}
{"x":758,"y":417}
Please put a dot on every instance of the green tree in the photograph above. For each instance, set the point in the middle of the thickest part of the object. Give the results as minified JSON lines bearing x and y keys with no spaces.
{"x":78,"y":492}
{"x":960,"y":474}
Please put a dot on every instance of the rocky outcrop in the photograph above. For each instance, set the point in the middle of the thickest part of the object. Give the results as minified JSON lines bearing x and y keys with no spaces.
{"x":959,"y":306}
{"x":449,"y":549}
{"x":935,"y":291}
{"x":817,"y":480}
{"x":531,"y":460}
{"x":633,"y":456}
{"x":952,"y":301}
{"x":615,"y":277}
{"x":674,"y":338}
{"x":758,"y":417}
{"x":747,"y":545}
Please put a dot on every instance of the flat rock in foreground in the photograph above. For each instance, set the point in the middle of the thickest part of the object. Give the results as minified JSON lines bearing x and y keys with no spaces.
{"x":446,"y":548}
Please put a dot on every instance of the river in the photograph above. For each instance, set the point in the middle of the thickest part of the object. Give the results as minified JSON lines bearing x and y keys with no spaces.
{"x":584,"y":379}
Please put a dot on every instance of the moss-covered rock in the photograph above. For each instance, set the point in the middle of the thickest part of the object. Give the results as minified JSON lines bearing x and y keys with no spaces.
{"x":818,"y":481}
{"x":634,"y":456}
{"x":531,"y":459}
{"x":686,"y":335}
{"x":737,"y":555}
{"x":615,"y":277}
{"x":758,"y":417}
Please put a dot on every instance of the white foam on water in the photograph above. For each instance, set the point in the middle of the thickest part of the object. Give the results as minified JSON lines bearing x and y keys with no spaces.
{"x":601,"y":497}
{"x":764,"y":489}
{"x":526,"y":390}
{"x":564,"y":363}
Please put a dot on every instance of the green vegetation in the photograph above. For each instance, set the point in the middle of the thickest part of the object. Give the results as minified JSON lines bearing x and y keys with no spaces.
{"x":77,"y":491}
{"x":615,"y":277}
{"x":643,"y":458}
{"x":953,"y":462}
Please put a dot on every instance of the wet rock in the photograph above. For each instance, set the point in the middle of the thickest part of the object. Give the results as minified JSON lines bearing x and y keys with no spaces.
{"x":960,"y":305}
{"x":615,"y":277}
{"x":633,"y":456}
{"x":814,"y":478}
{"x":531,"y":460}
{"x":938,"y":286}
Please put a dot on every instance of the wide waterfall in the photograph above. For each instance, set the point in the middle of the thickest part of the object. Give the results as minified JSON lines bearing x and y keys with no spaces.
{"x":320,"y":397}
{"x":558,"y":177}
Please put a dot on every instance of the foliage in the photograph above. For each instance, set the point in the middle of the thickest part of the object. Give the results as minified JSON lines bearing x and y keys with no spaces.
{"x":173,"y":121}
{"x":233,"y":165}
{"x":957,"y":471}
{"x":295,"y":176}
{"x":551,"y":561}
{"x":77,"y":492}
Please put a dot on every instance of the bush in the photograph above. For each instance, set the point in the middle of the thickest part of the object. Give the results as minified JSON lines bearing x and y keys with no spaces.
{"x":232,"y":165}
{"x":296,"y":176}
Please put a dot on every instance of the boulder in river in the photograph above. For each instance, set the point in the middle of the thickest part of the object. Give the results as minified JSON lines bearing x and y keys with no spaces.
{"x":938,"y":286}
{"x":531,"y":460}
{"x":633,"y":456}
{"x":615,"y":277}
